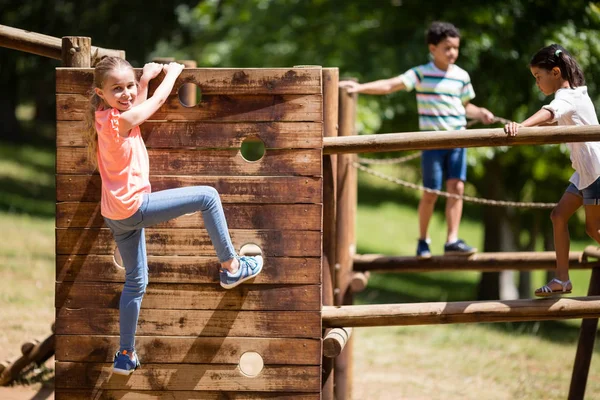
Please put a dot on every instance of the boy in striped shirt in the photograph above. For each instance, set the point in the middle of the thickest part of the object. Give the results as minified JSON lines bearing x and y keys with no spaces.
{"x":444,"y":92}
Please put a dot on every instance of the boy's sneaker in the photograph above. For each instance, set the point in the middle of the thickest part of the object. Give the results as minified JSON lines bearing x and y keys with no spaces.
{"x":423,"y":249}
{"x":460,"y":248}
{"x":123,"y":364}
{"x":249,"y":268}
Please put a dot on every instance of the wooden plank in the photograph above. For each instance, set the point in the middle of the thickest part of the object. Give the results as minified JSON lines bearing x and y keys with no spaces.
{"x":270,"y":324}
{"x":185,"y":242}
{"x":189,"y":269}
{"x":232,"y":108}
{"x":213,"y":80}
{"x":164,"y":134}
{"x":257,"y":190}
{"x":305,"y":217}
{"x":74,"y":160}
{"x":189,"y":377}
{"x":190,"y":296}
{"x":102,"y":394}
{"x":191,"y":350}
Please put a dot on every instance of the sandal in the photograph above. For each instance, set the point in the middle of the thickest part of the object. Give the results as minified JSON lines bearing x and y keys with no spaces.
{"x":546,"y":290}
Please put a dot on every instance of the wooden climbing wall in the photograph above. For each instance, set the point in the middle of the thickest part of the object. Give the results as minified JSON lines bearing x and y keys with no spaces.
{"x":191,"y":332}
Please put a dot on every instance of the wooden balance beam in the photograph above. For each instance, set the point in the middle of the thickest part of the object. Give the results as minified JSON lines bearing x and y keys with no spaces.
{"x":484,"y":262}
{"x":461,"y":312}
{"x":466,"y":138}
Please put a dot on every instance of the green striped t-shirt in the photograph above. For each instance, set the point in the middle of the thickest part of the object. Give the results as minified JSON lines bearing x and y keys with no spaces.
{"x":441,"y":96}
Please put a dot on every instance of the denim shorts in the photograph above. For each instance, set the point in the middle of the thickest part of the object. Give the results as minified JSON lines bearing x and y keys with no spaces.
{"x":440,"y":165}
{"x":590,"y":194}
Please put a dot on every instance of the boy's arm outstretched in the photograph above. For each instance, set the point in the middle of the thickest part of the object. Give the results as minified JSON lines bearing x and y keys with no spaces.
{"x":480,"y":113}
{"x":140,"y":113}
{"x":543,"y":116}
{"x":382,"y":86}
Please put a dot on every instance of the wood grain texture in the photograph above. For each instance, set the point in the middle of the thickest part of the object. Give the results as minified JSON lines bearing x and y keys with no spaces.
{"x":212,"y":80}
{"x":274,"y":324}
{"x":195,"y":134}
{"x":185,"y":242}
{"x":189,"y":377}
{"x":256,"y":190}
{"x":304,"y":217}
{"x":103,"y":394}
{"x":189,"y":269}
{"x":74,"y":160}
{"x":191,"y":350}
{"x":232,"y":108}
{"x":189,"y":296}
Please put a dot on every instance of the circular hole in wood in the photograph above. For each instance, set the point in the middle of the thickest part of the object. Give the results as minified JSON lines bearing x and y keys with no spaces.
{"x":190,"y":94}
{"x":117,"y":260}
{"x":253,"y":149}
{"x":251,"y":364}
{"x":250,"y":249}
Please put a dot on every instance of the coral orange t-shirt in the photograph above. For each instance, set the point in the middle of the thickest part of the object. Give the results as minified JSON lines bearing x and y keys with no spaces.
{"x":123,"y":165}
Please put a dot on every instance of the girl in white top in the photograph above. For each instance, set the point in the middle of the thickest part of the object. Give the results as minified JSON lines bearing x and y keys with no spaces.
{"x":556,"y":71}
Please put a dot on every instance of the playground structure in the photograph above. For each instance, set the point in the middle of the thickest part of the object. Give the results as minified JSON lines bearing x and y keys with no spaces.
{"x":289,"y":334}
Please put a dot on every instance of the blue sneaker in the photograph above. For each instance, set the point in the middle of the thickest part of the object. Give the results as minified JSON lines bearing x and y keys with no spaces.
{"x":124,"y":365}
{"x":459,"y":248}
{"x":249,"y":268}
{"x":423,"y":249}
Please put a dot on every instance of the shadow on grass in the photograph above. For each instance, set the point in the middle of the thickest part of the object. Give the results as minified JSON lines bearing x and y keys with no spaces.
{"x":426,"y":287}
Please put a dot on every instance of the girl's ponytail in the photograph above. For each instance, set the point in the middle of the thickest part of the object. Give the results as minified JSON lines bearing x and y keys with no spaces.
{"x":556,"y":56}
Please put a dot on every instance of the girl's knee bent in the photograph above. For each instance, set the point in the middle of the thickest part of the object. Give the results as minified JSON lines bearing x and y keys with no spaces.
{"x":558,"y":217}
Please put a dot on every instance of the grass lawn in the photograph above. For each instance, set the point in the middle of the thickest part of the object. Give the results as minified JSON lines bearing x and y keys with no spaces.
{"x":469,"y":361}
{"x":472,"y":361}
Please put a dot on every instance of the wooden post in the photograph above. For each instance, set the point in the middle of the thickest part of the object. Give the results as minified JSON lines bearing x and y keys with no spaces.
{"x":76,"y":51}
{"x":345,"y":233}
{"x":585,"y":347}
{"x":330,"y":129}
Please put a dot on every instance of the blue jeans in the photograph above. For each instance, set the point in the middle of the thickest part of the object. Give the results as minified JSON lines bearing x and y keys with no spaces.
{"x":439,"y":164}
{"x":129,"y":234}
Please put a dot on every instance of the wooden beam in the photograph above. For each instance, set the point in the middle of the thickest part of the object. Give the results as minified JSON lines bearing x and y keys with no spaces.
{"x":585,"y":345}
{"x":44,"y":45}
{"x":461,"y":312}
{"x":464,"y":138}
{"x":483,"y":262}
{"x":335,"y":340}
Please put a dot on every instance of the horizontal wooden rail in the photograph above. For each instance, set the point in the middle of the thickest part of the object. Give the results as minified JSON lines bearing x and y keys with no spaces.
{"x":483,"y":262}
{"x":43,"y":45}
{"x":460,"y":312}
{"x":464,"y":138}
{"x":335,"y":340}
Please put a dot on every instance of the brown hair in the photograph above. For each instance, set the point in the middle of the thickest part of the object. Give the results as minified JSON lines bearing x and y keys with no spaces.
{"x":101,"y":70}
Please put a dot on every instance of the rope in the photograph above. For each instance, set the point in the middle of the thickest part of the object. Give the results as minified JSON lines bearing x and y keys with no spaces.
{"x":410,"y":157}
{"x":471,"y":199}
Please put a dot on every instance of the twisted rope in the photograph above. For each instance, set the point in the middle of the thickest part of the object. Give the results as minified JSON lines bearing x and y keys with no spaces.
{"x":471,"y":199}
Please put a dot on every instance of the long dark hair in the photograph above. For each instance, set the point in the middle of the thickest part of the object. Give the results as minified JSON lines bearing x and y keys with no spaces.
{"x":101,"y":70}
{"x":557,"y":56}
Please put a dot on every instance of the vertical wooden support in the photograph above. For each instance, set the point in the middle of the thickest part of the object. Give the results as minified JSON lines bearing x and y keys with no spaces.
{"x":330,"y":128}
{"x":585,"y":347}
{"x":345,"y":233}
{"x":76,"y":51}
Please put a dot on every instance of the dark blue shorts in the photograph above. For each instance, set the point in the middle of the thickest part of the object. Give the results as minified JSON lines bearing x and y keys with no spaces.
{"x":441,"y":165}
{"x":590,"y":194}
